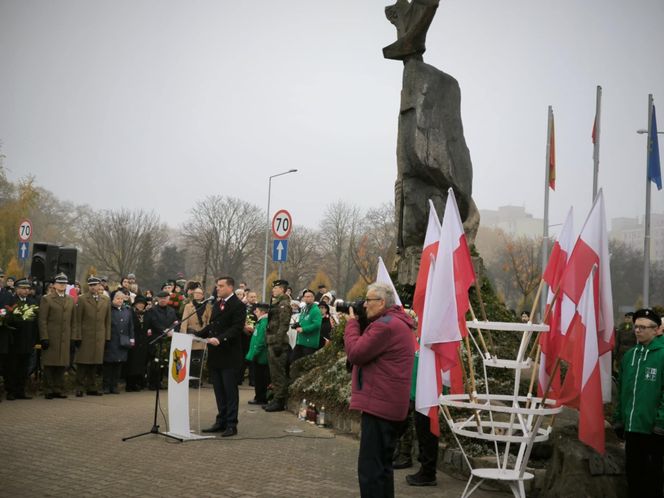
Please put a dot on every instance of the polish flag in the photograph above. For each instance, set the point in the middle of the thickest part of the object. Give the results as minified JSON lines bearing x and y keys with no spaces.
{"x":383,"y":277}
{"x":444,"y":316}
{"x":429,"y":250}
{"x":560,"y":316}
{"x":583,"y":379}
{"x":591,"y":349}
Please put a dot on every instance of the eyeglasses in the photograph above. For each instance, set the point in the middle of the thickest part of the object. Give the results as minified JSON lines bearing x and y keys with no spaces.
{"x":644,"y":327}
{"x":374,"y":299}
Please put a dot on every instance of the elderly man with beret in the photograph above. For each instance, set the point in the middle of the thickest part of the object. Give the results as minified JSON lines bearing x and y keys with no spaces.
{"x":639,"y":415}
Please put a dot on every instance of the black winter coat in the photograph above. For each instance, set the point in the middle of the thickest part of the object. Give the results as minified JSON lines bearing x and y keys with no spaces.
{"x":226,"y":325}
{"x":137,"y":359}
{"x":22,"y":334}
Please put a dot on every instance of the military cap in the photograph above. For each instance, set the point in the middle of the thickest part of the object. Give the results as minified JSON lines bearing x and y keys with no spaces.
{"x":181,"y":282}
{"x":629,"y":314}
{"x":103,"y":279}
{"x":23,"y":283}
{"x":162,"y":294}
{"x":131,"y":275}
{"x":649,"y":314}
{"x":140,"y":299}
{"x":322,"y":286}
{"x":281,"y":283}
{"x":92,"y":280}
{"x":262,"y":306}
{"x":61,"y":278}
{"x":2,"y":272}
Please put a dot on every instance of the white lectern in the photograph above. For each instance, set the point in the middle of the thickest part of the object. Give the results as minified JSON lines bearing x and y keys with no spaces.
{"x":179,"y":364}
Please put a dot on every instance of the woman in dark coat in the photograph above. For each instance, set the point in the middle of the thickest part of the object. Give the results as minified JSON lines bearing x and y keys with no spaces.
{"x":137,"y":358}
{"x":122,"y":338}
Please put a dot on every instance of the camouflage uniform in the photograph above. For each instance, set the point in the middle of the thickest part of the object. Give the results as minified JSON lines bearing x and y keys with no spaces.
{"x":278,"y":322}
{"x":625,"y":340}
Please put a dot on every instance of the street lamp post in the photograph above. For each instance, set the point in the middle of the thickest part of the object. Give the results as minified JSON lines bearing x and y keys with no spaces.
{"x":267,"y":225}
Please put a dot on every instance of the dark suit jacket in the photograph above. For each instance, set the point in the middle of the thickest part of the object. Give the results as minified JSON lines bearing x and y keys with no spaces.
{"x":227,"y":326}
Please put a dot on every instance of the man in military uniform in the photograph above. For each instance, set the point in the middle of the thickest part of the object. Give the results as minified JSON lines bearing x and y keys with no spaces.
{"x":93,"y":329}
{"x":278,"y":322}
{"x":625,"y":340}
{"x":23,"y":335}
{"x":57,"y":317}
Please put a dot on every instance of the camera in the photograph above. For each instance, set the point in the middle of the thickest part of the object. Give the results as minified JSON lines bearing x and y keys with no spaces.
{"x":344,"y":306}
{"x":295,"y":325}
{"x":358,"y":309}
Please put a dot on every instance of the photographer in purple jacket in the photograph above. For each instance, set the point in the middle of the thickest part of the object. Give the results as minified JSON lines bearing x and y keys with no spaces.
{"x":382,"y":358}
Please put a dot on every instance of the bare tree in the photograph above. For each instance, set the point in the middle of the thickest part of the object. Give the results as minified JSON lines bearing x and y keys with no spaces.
{"x":339,"y":228}
{"x":117,"y":240}
{"x":223,"y":233}
{"x":521,"y":264}
{"x":376,"y":236}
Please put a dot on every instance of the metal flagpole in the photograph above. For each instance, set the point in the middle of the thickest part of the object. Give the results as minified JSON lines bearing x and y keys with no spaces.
{"x":545,"y":231}
{"x":646,"y":238}
{"x":598,"y":114}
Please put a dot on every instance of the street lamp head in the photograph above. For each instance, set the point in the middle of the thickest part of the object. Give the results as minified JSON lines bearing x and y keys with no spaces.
{"x":641,"y":131}
{"x":292,"y":170}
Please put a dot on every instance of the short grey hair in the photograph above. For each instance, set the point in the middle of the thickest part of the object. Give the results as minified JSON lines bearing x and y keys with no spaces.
{"x":384,"y":291}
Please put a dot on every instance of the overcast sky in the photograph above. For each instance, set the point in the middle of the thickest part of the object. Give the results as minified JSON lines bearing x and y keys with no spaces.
{"x":156,"y":104}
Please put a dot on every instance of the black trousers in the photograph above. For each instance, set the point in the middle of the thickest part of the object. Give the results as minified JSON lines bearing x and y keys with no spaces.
{"x":16,"y":373}
{"x":224,"y":382}
{"x":111,"y":376}
{"x":428,"y":446}
{"x":643,"y":464}
{"x":374,"y":464}
{"x":261,"y":380}
{"x":300,"y":351}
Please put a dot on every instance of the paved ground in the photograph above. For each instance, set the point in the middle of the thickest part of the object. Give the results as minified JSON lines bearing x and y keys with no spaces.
{"x":74,"y":448}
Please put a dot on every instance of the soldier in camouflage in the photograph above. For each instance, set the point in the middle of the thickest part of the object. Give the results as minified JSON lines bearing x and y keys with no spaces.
{"x":278,"y":322}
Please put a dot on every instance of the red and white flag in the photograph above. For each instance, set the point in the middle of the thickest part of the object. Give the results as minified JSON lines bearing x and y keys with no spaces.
{"x":444,"y":315}
{"x":383,"y":277}
{"x":429,"y":250}
{"x":589,"y":350}
{"x":560,"y":316}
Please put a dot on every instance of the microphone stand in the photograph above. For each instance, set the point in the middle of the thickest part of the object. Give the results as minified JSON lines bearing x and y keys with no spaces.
{"x":158,"y":340}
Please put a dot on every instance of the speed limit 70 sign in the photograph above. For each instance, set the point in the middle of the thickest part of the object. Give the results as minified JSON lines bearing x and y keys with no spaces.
{"x":25,"y":231}
{"x":282,"y":224}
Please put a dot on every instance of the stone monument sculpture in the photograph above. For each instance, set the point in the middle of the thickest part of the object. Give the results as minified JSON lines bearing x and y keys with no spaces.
{"x":432,"y":155}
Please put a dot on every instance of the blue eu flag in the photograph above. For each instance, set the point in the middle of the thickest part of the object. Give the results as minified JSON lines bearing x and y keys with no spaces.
{"x":654,"y":171}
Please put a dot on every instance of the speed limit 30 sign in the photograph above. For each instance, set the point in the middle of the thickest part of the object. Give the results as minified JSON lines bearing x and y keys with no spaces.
{"x":282,"y":224}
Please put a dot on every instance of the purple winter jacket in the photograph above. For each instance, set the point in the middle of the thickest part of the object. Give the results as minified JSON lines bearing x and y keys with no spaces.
{"x":382,"y":359}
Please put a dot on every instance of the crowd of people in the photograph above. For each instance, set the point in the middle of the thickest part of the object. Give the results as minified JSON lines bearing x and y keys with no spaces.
{"x":105,"y":336}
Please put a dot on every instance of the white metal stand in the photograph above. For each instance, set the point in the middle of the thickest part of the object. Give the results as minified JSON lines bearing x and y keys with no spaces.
{"x":519,"y":417}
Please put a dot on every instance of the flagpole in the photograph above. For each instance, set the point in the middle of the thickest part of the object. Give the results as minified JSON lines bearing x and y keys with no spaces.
{"x":545,"y":231}
{"x":646,"y":238}
{"x":598,"y":113}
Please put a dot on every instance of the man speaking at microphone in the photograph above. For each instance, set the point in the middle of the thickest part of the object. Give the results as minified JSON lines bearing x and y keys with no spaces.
{"x":225,"y":354}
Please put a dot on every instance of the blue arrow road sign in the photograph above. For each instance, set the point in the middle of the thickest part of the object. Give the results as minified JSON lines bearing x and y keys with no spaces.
{"x":23,"y":250}
{"x":279,"y":250}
